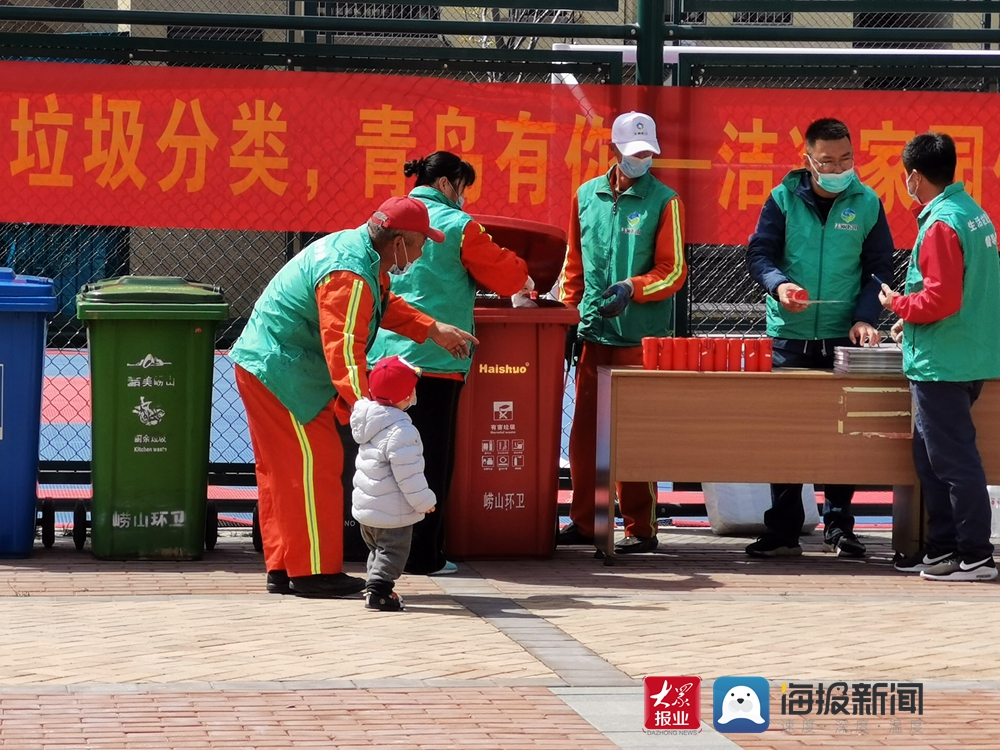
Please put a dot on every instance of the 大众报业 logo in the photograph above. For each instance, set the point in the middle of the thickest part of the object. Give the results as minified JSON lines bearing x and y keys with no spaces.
{"x":672,"y":704}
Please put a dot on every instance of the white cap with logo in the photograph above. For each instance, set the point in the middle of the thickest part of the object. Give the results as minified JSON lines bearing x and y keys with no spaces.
{"x":634,"y":132}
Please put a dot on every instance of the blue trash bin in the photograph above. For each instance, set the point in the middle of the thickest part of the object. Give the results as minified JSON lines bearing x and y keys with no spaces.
{"x":26,"y":302}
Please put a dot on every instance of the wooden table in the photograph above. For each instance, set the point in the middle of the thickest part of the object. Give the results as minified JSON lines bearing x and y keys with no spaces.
{"x":787,"y":426}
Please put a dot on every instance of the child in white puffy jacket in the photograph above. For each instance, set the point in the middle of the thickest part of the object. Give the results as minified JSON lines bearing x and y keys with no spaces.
{"x":390,"y":490}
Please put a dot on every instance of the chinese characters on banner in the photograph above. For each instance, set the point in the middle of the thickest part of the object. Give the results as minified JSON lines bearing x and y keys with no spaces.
{"x":288,"y":151}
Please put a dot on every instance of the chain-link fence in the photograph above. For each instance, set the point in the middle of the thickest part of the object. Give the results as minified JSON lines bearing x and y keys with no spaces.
{"x":721,"y":298}
{"x":799,"y":22}
{"x":724,"y":300}
{"x":241,"y":262}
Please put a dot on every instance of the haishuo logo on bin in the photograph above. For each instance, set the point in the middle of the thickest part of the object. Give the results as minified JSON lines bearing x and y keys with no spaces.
{"x":486,"y":369}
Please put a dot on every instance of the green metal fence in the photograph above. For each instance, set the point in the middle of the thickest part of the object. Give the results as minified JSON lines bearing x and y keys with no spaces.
{"x":483,"y":47}
{"x":466,"y":43}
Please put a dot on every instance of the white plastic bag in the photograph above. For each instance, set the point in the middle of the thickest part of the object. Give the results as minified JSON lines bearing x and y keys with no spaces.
{"x":994,"y":491}
{"x":738,"y":509}
{"x":523,"y":298}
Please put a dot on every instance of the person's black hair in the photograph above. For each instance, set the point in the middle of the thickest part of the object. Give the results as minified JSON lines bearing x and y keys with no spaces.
{"x":933,"y":155}
{"x":440,"y":164}
{"x":826,"y":129}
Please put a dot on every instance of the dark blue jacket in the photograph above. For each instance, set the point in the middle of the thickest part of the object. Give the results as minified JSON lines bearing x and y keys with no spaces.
{"x":767,"y":248}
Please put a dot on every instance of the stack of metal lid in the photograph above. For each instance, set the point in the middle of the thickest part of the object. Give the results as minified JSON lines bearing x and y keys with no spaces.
{"x":887,"y":360}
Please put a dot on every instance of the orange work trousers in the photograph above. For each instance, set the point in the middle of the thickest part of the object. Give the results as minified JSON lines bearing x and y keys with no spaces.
{"x":300,"y":495}
{"x":637,"y":500}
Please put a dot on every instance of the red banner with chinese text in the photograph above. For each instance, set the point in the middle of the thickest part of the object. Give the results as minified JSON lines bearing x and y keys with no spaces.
{"x":286,"y":151}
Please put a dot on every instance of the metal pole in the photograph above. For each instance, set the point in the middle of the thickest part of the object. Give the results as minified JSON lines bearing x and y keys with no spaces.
{"x":676,"y":13}
{"x":310,"y":9}
{"x":649,"y":53}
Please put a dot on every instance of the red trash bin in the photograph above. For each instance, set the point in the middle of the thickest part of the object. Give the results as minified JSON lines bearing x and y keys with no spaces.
{"x":505,"y":487}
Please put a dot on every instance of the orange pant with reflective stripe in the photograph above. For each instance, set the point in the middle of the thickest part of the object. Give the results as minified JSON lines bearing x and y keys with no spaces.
{"x":637,"y":500}
{"x":300,"y":497}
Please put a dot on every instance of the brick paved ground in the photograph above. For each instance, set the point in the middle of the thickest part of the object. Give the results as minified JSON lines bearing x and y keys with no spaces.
{"x":122,"y":656}
{"x":511,"y":718}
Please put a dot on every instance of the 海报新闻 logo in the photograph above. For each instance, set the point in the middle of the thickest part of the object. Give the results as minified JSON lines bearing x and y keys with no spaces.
{"x":741,"y":704}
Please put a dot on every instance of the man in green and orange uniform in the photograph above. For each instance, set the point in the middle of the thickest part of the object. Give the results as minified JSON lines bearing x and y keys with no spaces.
{"x":300,"y":367}
{"x":625,"y":259}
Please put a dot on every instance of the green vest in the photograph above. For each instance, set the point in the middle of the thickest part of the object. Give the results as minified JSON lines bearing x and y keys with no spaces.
{"x":618,"y":241}
{"x":436,"y":284}
{"x":824,"y":259}
{"x":963,"y":346}
{"x":281,"y":343}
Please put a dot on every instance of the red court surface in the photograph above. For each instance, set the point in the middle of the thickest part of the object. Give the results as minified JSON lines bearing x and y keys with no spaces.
{"x":66,"y":400}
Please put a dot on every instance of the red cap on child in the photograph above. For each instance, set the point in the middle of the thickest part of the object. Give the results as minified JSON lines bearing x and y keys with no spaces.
{"x":392,"y":380}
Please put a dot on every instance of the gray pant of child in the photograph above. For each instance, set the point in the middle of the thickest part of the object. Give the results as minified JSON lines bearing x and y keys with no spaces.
{"x":388,"y":550}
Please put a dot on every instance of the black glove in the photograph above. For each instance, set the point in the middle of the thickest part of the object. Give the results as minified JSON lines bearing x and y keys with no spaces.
{"x":618,"y":296}
{"x":573,"y":345}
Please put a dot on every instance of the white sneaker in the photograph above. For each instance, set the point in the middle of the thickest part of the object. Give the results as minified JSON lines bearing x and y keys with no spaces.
{"x":962,"y":569}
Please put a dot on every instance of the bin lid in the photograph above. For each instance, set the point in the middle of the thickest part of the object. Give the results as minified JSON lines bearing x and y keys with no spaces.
{"x":542,"y":246}
{"x":151,"y":297}
{"x":545,"y":311}
{"x":26,"y":293}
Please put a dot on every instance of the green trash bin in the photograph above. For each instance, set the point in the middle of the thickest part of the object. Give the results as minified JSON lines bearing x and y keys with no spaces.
{"x":152,"y":344}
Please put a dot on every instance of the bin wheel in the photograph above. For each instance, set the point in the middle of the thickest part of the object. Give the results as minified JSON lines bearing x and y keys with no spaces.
{"x":80,"y":524}
{"x":258,"y":540}
{"x":211,"y":526}
{"x":48,"y":523}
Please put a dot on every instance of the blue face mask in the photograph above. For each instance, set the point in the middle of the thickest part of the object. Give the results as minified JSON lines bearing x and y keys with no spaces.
{"x":834,"y":183}
{"x":633,"y":167}
{"x":459,"y":199}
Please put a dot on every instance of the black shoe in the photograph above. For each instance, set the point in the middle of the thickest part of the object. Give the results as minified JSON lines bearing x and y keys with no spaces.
{"x":772,"y":545}
{"x":925,"y":559}
{"x":383,"y":602}
{"x":572,"y":535}
{"x":633,"y":544}
{"x":845,"y":544}
{"x":326,"y":586}
{"x":277,"y":583}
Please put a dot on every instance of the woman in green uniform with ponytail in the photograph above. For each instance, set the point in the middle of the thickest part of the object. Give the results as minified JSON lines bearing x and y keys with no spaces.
{"x":442,"y":283}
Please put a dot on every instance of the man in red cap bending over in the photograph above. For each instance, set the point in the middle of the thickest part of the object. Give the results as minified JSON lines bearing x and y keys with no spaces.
{"x":300,"y":367}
